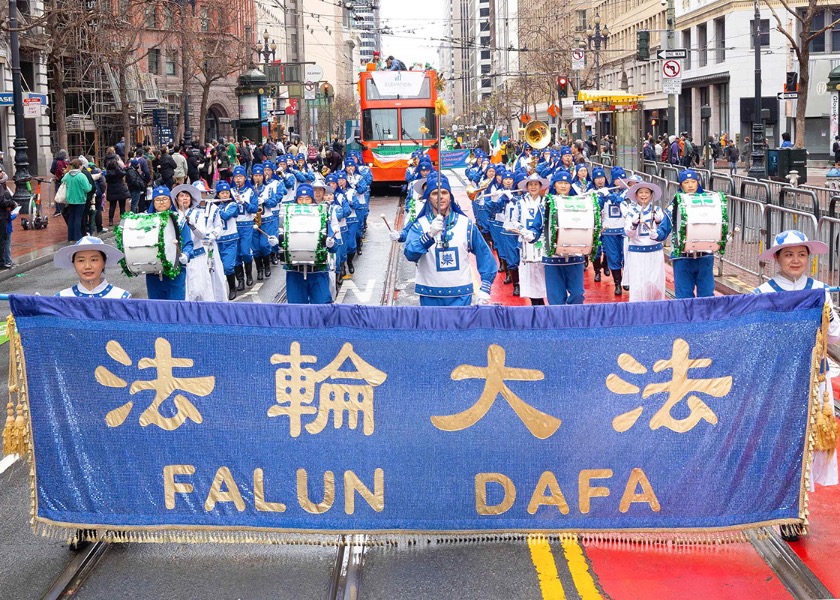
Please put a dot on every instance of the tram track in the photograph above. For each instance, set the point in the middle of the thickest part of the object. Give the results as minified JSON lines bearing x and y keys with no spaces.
{"x":346,"y":579}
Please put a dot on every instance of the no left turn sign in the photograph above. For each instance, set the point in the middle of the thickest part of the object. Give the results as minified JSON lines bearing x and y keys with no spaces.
{"x":671,"y":69}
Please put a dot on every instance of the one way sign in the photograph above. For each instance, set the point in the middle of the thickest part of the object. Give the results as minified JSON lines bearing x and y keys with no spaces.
{"x":680,"y":53}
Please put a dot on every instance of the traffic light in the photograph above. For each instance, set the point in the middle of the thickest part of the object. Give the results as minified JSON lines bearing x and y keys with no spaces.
{"x":562,"y":87}
{"x":643,"y":45}
{"x":792,"y":81}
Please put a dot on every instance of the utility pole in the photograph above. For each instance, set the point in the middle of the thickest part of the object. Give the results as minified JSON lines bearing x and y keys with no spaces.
{"x":22,"y":176}
{"x":670,"y":20}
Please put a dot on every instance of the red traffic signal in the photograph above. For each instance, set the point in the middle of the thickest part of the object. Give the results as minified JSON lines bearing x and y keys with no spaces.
{"x":562,"y":87}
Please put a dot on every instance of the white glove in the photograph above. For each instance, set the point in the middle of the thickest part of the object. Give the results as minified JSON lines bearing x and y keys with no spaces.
{"x":637,"y":218}
{"x":528,"y":235}
{"x":394,"y":235}
{"x":273,"y":240}
{"x":482,"y":297}
{"x":330,"y":242}
{"x":653,"y":237}
{"x":437,"y":226}
{"x":212,"y":236}
{"x":510,"y":226}
{"x":183,"y":259}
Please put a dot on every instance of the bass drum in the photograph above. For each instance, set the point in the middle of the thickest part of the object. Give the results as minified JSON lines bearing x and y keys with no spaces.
{"x":143,"y":242}
{"x":575,"y":225}
{"x":305,"y":234}
{"x":702,"y":215}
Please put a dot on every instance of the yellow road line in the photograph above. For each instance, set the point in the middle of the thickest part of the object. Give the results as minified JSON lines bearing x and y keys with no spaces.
{"x":580,"y":571}
{"x":543,"y":559}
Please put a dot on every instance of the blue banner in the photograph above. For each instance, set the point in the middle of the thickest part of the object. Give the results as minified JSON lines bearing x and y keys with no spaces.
{"x":170,"y":416}
{"x":454,"y":159}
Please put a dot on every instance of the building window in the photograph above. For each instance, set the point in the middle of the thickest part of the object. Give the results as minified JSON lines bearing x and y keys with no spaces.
{"x":168,"y":17}
{"x":484,"y":12}
{"x":485,"y":69}
{"x":171,"y":62}
{"x":818,"y":45}
{"x":205,"y":19}
{"x":835,"y":31}
{"x":485,"y":83}
{"x":723,"y":106}
{"x":154,"y":61}
{"x":151,"y":16}
{"x":764,"y":32}
{"x":485,"y":41}
{"x":581,"y":19}
{"x":720,"y":40}
{"x":702,"y":41}
{"x":686,"y":36}
{"x":485,"y":55}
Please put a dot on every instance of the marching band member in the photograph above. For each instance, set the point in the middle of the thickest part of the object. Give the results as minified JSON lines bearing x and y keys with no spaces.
{"x":792,"y":252}
{"x":248,"y":206}
{"x":228,"y":241}
{"x":205,"y":281}
{"x":89,"y":257}
{"x":581,"y":183}
{"x":620,"y":181}
{"x":563,"y":274}
{"x":288,"y":180}
{"x":411,"y":170}
{"x":547,"y":164}
{"x":495,"y":221}
{"x":613,"y":211}
{"x":694,"y":274}
{"x":348,"y":195}
{"x":325,"y":195}
{"x":303,"y":172}
{"x":567,"y":160}
{"x":525,"y":160}
{"x":307,"y":284}
{"x":531,"y":273}
{"x":439,"y":242}
{"x":359,"y":185}
{"x":278,"y":189}
{"x":265,"y":234}
{"x":160,"y":287}
{"x":504,"y":203}
{"x":644,"y":228}
{"x":339,"y":208}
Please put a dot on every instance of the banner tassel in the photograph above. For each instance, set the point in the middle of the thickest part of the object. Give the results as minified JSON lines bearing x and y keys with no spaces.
{"x":826,"y":426}
{"x":15,"y":439}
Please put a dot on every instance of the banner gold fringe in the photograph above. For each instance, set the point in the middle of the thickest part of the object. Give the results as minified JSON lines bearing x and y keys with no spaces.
{"x":15,"y":431}
{"x":826,"y":425}
{"x":667,"y":541}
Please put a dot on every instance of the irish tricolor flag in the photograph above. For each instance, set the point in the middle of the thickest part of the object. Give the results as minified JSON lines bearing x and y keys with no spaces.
{"x":496,"y":147}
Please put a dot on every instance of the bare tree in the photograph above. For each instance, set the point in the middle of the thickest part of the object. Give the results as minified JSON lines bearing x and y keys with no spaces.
{"x":212,"y":56}
{"x":803,"y":18}
{"x":119,"y":42}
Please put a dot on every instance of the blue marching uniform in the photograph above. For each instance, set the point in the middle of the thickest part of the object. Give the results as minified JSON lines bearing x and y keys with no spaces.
{"x":694,"y":274}
{"x":563,"y":275}
{"x":163,"y":288}
{"x":308,"y":284}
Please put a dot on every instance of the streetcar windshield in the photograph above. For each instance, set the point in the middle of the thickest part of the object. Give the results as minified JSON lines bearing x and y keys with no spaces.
{"x":380,"y":124}
{"x":415,"y":118}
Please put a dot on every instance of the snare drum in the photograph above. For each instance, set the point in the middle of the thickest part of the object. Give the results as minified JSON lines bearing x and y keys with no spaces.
{"x":575,"y":218}
{"x":305,"y":235}
{"x":143,"y":237}
{"x":700,"y":222}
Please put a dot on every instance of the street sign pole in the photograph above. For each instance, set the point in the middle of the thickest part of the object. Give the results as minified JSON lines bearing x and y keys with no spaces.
{"x":669,"y":44}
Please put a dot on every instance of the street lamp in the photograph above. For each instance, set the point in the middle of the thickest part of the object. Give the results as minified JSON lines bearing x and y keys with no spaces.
{"x":757,"y":169}
{"x":596,"y":36}
{"x":22,"y":176}
{"x":268,"y":50}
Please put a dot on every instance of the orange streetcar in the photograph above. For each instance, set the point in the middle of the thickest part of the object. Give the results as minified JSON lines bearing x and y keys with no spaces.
{"x":398,"y":117}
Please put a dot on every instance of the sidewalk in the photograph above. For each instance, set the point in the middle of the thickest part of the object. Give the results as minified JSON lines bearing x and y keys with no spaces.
{"x":35,"y":247}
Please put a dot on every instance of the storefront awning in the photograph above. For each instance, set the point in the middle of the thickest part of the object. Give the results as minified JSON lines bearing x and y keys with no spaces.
{"x":609,"y":97}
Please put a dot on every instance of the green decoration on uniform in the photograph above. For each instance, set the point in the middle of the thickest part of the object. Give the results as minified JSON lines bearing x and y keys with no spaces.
{"x":170,"y":270}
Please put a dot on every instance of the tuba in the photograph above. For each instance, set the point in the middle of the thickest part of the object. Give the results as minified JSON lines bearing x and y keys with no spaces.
{"x":537,"y":135}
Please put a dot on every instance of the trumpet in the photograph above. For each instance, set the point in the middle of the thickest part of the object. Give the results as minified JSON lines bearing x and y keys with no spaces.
{"x":473,"y":192}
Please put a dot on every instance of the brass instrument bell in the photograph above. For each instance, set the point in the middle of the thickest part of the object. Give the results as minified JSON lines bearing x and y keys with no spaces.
{"x":537,"y":135}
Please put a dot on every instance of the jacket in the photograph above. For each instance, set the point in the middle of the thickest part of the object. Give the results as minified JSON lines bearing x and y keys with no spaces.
{"x":78,"y":186}
{"x":115,"y":180}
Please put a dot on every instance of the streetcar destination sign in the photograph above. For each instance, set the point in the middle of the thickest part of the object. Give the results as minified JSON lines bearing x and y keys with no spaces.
{"x":672,"y":53}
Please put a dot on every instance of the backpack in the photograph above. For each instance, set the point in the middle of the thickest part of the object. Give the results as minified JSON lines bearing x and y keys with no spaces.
{"x":134,"y":179}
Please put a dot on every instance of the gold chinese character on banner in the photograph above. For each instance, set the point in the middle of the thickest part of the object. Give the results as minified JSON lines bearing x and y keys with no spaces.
{"x":540,"y":424}
{"x":677,"y":389}
{"x":295,"y":388}
{"x":164,"y":385}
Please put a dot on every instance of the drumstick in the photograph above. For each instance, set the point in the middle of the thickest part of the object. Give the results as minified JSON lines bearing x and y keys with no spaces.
{"x":388,"y":225}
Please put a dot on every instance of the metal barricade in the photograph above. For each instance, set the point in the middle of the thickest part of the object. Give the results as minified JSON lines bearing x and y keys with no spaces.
{"x":739,"y":181}
{"x":823,"y":195}
{"x":705,"y":177}
{"x":755,"y":190}
{"x":671,"y":188}
{"x":828,"y":267}
{"x":746,"y":223}
{"x":650,"y":167}
{"x":775,"y":189}
{"x":721,"y":183}
{"x":670,"y":172}
{"x":799,"y":199}
{"x":780,"y":218}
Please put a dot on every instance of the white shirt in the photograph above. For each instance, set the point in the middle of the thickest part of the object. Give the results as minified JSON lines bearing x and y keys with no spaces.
{"x":787,"y":285}
{"x":103,"y":290}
